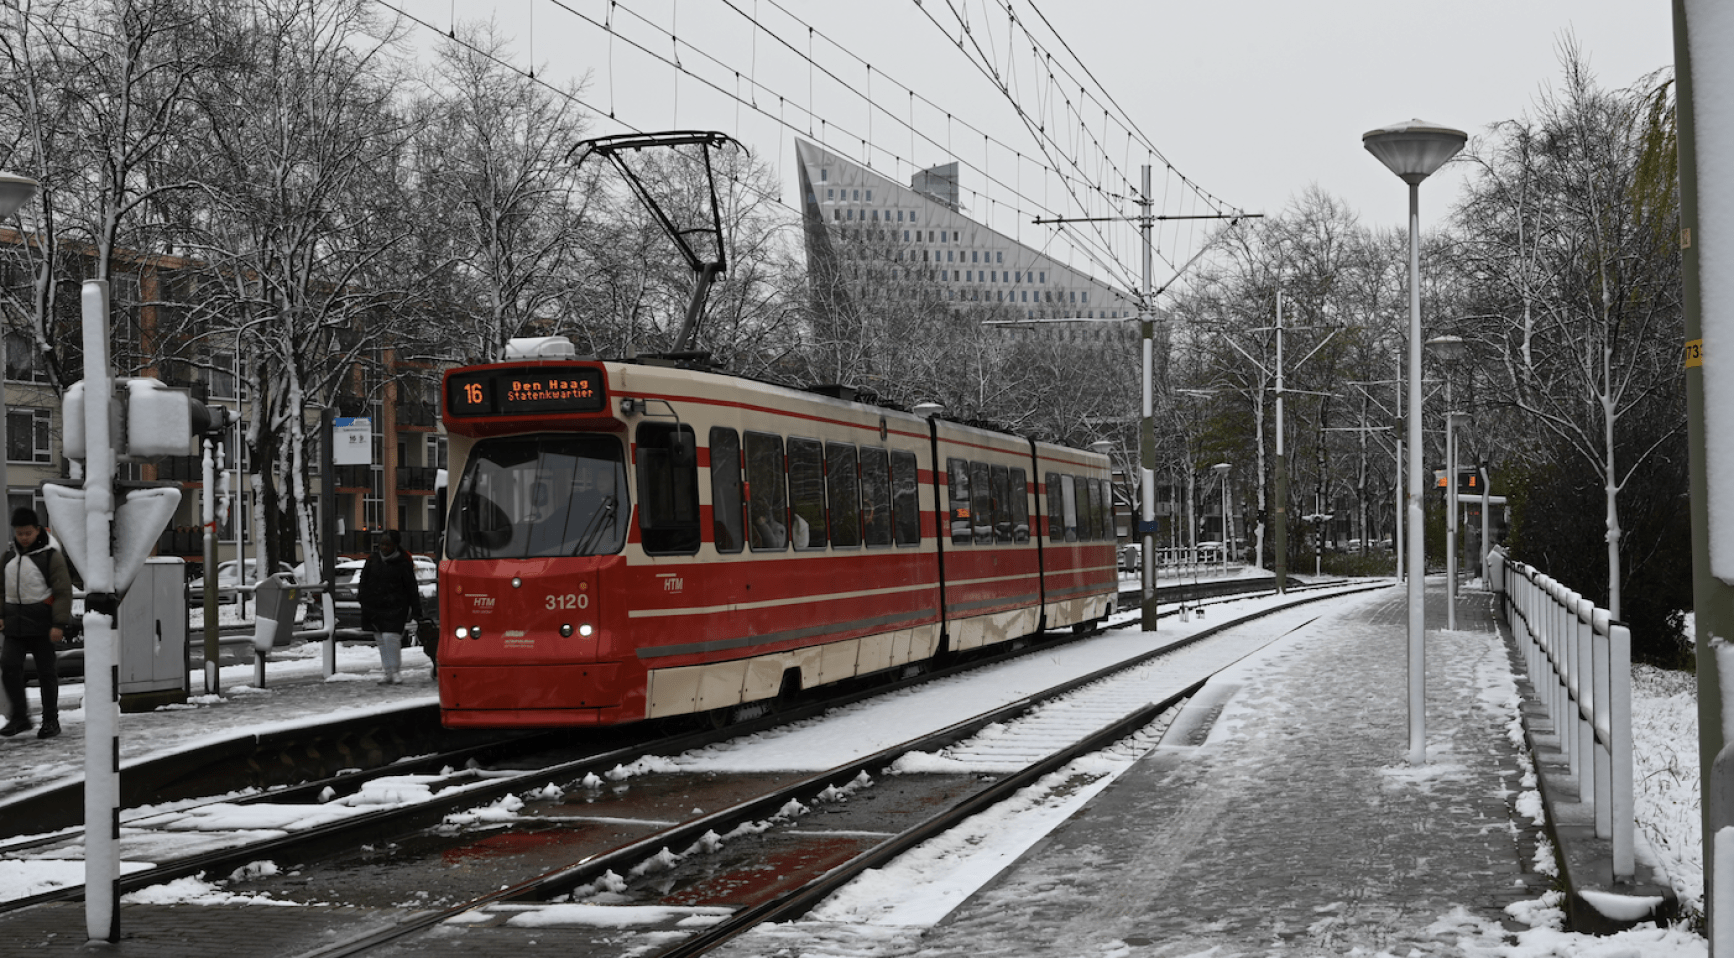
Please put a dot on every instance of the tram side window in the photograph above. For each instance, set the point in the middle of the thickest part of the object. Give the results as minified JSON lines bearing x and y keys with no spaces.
{"x":667,"y":488}
{"x":1086,"y":510}
{"x":905,"y":499}
{"x":1056,"y":509}
{"x":1104,"y":510}
{"x":957,"y":472}
{"x":807,"y":493}
{"x":843,"y":485}
{"x":767,"y":497}
{"x":875,"y":496}
{"x":1069,"y":503}
{"x":981,"y":515}
{"x":725,"y":489}
{"x":1002,"y":496}
{"x":1020,"y":506}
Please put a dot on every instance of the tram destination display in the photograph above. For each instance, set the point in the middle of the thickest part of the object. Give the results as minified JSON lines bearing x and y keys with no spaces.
{"x":533,"y":390}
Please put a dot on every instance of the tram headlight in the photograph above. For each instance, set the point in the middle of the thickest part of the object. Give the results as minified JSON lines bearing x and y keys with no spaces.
{"x":467,"y":632}
{"x":565,"y":629}
{"x":585,"y":630}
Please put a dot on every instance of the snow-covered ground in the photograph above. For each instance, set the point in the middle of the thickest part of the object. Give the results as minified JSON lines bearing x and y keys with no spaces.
{"x":1667,"y":812}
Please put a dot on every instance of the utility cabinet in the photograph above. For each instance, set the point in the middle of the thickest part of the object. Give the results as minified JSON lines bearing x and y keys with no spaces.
{"x":153,"y":637}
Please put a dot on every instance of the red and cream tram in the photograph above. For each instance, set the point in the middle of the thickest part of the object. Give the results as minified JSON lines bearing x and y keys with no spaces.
{"x":630,"y":541}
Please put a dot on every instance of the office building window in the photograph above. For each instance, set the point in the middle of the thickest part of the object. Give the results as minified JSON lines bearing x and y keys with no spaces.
{"x":869,"y":196}
{"x":24,"y":361}
{"x":1000,"y":257}
{"x":830,"y":194}
{"x":27,"y":437}
{"x":824,"y":174}
{"x":857,"y":196}
{"x":1044,"y":277}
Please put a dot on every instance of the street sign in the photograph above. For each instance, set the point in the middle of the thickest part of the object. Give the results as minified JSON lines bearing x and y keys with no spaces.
{"x":352,"y":441}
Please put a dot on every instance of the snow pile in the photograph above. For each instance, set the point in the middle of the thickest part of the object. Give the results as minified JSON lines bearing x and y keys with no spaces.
{"x":195,"y":890}
{"x":1665,"y":777}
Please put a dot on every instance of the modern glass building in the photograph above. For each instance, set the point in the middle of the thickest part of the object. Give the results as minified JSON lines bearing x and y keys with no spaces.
{"x":869,"y":238}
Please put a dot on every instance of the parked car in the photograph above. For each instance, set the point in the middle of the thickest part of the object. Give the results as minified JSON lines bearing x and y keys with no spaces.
{"x":229,"y":576}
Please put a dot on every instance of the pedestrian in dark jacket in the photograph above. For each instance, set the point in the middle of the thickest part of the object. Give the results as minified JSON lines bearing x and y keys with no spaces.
{"x":38,"y":605}
{"x":389,"y":599}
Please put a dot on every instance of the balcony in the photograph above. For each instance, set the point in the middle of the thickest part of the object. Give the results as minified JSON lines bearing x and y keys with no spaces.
{"x":354,"y":477}
{"x":417,"y":414}
{"x":416,"y":478}
{"x":181,"y":469}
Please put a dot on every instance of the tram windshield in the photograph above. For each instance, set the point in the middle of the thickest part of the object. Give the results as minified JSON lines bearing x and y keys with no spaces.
{"x":538,"y":496}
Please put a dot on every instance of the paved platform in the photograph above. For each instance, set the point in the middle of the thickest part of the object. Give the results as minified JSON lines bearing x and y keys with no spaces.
{"x":1295,"y":826}
{"x":296,"y":693}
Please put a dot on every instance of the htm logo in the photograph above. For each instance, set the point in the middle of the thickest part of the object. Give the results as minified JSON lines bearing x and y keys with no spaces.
{"x":481,"y":602}
{"x":673,"y":584}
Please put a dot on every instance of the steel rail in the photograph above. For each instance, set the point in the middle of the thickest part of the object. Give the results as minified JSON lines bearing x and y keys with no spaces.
{"x":562,"y":881}
{"x":385,"y":823}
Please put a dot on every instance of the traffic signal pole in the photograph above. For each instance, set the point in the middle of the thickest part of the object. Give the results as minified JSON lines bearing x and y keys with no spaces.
{"x":153,"y":421}
{"x":101,"y":652}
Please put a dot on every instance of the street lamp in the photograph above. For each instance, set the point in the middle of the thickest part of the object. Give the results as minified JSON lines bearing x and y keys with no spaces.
{"x":1221,"y":470}
{"x":1414,"y":150}
{"x":1450,"y":350}
{"x":15,"y":191}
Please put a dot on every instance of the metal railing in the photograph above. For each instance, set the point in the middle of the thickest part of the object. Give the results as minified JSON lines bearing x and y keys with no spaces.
{"x":1580,"y":663}
{"x":1181,"y":562}
{"x":262,"y":642}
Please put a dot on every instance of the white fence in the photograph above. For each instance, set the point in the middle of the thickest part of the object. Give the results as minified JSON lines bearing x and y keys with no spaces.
{"x":1580,"y":662}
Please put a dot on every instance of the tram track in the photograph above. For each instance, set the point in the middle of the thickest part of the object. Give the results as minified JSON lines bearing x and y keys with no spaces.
{"x":749,"y":817}
{"x":452,"y":791}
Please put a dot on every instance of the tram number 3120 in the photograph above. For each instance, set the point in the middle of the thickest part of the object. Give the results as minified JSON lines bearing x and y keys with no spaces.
{"x":568,"y":601}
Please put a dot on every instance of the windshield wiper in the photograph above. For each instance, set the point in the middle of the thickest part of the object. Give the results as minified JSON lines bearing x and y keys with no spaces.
{"x":587,"y":540}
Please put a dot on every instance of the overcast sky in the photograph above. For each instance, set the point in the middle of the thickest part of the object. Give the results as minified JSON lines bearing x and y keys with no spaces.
{"x":1253,"y":101}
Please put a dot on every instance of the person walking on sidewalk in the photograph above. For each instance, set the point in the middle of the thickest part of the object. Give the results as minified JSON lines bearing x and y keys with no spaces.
{"x":38,"y":604}
{"x":389,"y":599}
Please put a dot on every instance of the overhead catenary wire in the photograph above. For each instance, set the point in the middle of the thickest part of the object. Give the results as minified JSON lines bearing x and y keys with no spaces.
{"x":1064,"y":141}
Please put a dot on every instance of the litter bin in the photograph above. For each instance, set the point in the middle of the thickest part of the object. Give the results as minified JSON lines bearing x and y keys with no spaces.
{"x":275,"y":611}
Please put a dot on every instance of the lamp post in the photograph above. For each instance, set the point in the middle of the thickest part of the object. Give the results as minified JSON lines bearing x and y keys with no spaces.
{"x":15,"y":191}
{"x":1414,"y":150}
{"x":1450,"y":350}
{"x":1221,"y":470}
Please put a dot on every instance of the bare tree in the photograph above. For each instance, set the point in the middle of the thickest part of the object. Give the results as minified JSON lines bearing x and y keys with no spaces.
{"x":304,"y":210}
{"x":491,"y":152}
{"x":1576,"y":292}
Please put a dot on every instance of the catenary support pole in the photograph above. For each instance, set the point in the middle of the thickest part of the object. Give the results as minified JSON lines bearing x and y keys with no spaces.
{"x":1147,"y":443}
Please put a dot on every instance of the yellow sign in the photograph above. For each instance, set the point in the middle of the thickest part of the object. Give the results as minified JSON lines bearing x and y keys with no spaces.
{"x":1695,"y":353}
